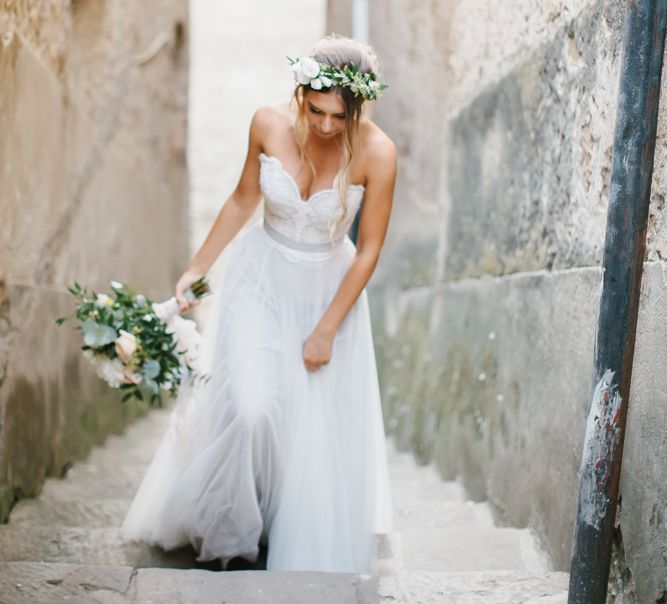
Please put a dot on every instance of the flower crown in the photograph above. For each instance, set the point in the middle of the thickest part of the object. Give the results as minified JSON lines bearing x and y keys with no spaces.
{"x":308,"y":71}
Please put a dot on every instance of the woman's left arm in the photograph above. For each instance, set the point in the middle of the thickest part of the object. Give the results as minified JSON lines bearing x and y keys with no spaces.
{"x":378,"y":196}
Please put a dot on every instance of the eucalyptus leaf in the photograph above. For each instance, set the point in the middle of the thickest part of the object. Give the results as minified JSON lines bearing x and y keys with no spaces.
{"x":96,"y":335}
{"x":151,"y":386}
{"x":151,"y":369}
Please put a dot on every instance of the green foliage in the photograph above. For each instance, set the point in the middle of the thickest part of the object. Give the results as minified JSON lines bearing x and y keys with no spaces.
{"x":155,"y":363}
{"x":364,"y":84}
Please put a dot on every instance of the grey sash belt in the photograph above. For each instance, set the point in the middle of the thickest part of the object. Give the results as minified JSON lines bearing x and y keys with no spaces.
{"x":298,"y":245}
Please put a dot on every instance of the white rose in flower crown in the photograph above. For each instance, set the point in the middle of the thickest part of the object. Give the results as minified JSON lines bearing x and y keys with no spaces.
{"x":305,"y":69}
{"x":310,"y":67}
{"x":111,"y":371}
{"x":300,"y":78}
{"x":316,"y":84}
{"x":298,"y":73}
{"x":326,"y":82}
{"x":126,"y":345}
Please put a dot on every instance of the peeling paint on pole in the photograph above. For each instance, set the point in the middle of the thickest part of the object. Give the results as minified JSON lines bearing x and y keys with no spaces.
{"x":603,"y":433}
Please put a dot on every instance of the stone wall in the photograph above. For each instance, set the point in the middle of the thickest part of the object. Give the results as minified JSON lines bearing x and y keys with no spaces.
{"x":486,"y":294}
{"x":93,"y":187}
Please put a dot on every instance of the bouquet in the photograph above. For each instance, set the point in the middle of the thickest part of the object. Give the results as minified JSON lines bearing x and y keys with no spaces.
{"x":137,"y":345}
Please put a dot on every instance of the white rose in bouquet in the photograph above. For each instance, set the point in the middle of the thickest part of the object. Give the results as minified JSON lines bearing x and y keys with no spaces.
{"x":112,"y":371}
{"x":103,"y":300}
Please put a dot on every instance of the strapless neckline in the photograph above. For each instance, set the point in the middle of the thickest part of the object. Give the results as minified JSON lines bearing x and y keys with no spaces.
{"x":295,"y":186}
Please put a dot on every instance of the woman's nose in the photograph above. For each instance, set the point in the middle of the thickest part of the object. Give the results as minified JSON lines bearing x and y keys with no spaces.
{"x":326,"y":125}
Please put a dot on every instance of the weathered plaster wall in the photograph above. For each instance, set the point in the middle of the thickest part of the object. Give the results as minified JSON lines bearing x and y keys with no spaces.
{"x":485,"y":297}
{"x":339,"y":17}
{"x":93,"y":187}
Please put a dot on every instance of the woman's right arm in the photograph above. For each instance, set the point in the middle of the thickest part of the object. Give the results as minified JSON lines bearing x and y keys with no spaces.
{"x":235,"y":212}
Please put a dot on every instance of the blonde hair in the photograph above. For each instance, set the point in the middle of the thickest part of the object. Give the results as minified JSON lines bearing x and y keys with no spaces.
{"x":337,"y":51}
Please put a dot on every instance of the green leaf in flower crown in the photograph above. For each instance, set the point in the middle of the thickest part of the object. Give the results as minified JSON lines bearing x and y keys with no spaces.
{"x":96,"y":334}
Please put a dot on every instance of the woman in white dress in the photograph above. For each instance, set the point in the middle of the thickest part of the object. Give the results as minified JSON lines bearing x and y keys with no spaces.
{"x":285,"y":443}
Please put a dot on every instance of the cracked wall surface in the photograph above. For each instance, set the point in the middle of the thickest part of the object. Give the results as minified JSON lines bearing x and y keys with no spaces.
{"x":484,"y":301}
{"x":93,"y":187}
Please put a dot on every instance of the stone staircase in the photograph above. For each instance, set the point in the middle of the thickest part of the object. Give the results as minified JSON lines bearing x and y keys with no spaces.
{"x":446,"y":549}
{"x":65,"y":546}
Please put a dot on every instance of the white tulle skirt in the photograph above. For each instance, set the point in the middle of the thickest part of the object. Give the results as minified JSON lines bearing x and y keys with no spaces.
{"x":266,"y":450}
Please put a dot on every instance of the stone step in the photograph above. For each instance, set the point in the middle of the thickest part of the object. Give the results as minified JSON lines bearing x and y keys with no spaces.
{"x":417,"y":513}
{"x":157,"y":586}
{"x":40,"y":583}
{"x":432,"y":550}
{"x":488,"y":587}
{"x":420,"y":481}
{"x":103,"y":475}
{"x":470,"y":549}
{"x":23,"y":542}
{"x":411,"y":489}
{"x":84,"y":483}
{"x":35,"y":583}
{"x":91,"y":513}
{"x":75,"y":545}
{"x":112,"y":471}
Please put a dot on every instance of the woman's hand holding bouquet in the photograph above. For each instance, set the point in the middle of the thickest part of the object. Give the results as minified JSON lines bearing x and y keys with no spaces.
{"x":183,"y":288}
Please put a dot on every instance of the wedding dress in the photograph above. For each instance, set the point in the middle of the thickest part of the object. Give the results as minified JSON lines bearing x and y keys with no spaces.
{"x":267,"y":450}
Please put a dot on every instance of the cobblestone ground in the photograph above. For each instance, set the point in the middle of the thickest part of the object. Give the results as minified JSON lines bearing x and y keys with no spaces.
{"x":65,"y":546}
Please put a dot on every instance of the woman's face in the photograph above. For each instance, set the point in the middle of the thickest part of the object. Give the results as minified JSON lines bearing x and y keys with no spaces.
{"x":325,"y":112}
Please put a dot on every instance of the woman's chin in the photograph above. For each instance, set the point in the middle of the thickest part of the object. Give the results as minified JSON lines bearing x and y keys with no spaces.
{"x":325,"y":137}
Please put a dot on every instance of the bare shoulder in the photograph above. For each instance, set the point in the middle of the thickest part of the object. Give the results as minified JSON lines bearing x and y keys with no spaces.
{"x":269,"y":119}
{"x":378,"y":150}
{"x":266,"y":117}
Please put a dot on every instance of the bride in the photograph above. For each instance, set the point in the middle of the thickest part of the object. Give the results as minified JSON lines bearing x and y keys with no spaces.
{"x":284,"y":445}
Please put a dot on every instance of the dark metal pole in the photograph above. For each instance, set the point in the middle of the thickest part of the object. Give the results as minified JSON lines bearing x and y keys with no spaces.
{"x":625,"y":243}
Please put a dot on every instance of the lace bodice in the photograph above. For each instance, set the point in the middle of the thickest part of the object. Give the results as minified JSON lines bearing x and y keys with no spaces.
{"x":306,"y":221}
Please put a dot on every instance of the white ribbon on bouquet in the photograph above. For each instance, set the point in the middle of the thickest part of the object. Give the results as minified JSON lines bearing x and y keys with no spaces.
{"x":188,"y":341}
